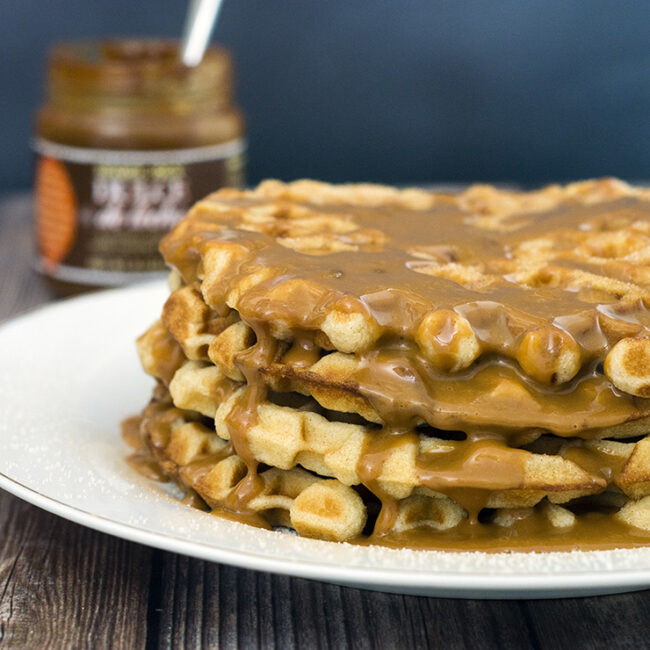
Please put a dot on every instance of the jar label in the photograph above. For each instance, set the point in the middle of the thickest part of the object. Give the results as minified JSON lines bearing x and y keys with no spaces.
{"x":100,"y":214}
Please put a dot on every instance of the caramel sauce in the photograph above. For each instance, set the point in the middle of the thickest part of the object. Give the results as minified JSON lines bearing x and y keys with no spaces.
{"x":492,"y":394}
{"x":243,"y":417}
{"x":130,"y":429}
{"x":193,"y":472}
{"x":145,"y":465}
{"x":241,"y":517}
{"x":303,"y":352}
{"x":193,"y":500}
{"x":357,"y":281}
{"x":398,"y":379}
{"x":370,"y":467}
{"x":141,"y":460}
{"x":474,"y":463}
{"x":595,"y":462}
{"x":591,"y":532}
{"x":471,"y":471}
{"x":399,"y":307}
{"x":384,"y":278}
{"x":169,"y":357}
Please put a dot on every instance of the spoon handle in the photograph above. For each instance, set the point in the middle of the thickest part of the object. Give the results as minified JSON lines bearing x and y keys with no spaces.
{"x":200,"y":21}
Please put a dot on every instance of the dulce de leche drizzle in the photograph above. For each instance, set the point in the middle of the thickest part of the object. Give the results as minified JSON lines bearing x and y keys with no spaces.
{"x":387,"y":277}
{"x":529,"y":532}
{"x":493,"y":393}
{"x":244,"y":416}
{"x":141,"y":460}
{"x":393,"y":276}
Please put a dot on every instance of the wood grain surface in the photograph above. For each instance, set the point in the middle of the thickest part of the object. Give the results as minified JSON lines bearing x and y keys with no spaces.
{"x":65,"y":586}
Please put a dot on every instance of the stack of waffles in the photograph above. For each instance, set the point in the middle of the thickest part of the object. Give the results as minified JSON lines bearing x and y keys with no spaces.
{"x":359,"y":362}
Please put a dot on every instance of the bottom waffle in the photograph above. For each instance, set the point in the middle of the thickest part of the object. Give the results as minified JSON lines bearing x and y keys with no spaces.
{"x":183,"y":444}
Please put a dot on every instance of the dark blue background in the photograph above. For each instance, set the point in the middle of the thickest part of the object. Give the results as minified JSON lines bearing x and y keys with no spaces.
{"x":393,"y":91}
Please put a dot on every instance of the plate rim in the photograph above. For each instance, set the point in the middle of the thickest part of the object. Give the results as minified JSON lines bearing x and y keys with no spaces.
{"x":312,"y":569}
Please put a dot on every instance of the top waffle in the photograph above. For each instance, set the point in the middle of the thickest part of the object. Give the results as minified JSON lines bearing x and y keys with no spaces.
{"x":548,"y":283}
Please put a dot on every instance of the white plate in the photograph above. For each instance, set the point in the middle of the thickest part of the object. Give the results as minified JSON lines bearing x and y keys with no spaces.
{"x":70,"y":374}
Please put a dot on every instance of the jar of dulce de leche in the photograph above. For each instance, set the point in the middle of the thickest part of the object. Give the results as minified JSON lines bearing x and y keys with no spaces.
{"x":128,"y":139}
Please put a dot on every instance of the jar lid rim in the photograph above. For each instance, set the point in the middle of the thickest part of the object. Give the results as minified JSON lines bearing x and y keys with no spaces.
{"x":129,"y":57}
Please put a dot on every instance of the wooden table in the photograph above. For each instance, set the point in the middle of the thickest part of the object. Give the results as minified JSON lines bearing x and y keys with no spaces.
{"x":65,"y":586}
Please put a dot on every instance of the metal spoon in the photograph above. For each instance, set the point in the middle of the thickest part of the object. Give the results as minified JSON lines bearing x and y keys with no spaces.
{"x":200,"y":21}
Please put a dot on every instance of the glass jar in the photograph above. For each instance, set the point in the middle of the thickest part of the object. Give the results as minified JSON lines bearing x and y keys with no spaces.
{"x":128,"y":139}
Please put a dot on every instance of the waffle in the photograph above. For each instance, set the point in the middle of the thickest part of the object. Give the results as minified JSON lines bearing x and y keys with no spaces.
{"x":361,"y":362}
{"x":531,"y":286}
{"x":299,"y":433}
{"x":341,"y":382}
{"x":202,"y":463}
